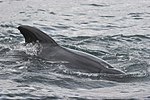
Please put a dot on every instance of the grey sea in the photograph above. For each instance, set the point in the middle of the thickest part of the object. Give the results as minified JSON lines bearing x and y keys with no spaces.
{"x":117,"y":31}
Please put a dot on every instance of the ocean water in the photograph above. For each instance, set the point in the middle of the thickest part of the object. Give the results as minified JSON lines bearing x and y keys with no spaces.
{"x":118,"y":31}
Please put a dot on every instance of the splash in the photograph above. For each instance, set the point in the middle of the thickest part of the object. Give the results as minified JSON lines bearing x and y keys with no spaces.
{"x":29,"y":49}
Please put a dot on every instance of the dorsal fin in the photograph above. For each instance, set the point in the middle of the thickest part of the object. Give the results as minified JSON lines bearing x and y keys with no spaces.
{"x":32,"y":34}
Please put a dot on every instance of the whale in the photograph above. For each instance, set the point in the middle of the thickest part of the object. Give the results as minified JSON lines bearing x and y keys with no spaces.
{"x":72,"y":59}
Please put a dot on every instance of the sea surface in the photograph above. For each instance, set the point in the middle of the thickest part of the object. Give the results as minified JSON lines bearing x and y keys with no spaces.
{"x":117,"y":31}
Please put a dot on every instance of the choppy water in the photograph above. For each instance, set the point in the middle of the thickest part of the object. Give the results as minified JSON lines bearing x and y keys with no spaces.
{"x":117,"y":31}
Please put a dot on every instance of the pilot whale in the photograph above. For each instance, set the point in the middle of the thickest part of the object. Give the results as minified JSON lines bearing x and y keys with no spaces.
{"x":74,"y":59}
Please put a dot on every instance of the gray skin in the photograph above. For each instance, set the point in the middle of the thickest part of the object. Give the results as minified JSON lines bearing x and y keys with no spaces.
{"x":73,"y":59}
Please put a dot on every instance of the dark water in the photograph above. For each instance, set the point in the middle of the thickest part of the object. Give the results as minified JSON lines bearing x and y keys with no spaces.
{"x":116,"y":31}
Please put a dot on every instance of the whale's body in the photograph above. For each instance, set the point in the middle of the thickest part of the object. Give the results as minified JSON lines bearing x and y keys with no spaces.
{"x":51,"y":51}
